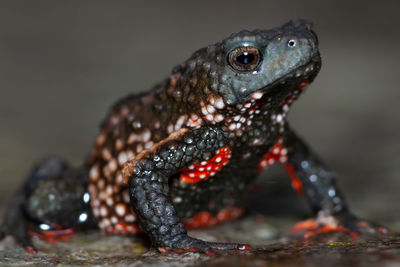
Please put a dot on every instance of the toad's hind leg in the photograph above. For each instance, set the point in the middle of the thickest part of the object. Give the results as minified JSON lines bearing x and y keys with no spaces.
{"x":51,"y":204}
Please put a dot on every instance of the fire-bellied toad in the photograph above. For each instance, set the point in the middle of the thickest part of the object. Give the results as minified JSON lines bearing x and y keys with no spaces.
{"x":184,"y":154}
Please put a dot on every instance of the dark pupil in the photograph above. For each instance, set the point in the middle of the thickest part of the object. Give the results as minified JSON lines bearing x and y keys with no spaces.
{"x":245,"y":58}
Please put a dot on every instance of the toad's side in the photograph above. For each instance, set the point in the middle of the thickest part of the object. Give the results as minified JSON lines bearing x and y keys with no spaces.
{"x":183,"y":155}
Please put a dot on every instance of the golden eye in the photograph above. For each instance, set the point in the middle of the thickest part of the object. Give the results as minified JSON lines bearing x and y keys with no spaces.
{"x":244,"y":58}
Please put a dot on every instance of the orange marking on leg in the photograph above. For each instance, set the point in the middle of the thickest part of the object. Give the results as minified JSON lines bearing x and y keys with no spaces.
{"x":54,"y":235}
{"x":312,"y":227}
{"x":309,"y":224}
{"x":277,"y":154}
{"x":205,"y":218}
{"x":205,"y":169}
{"x":31,"y":250}
{"x":296,"y":182}
{"x":327,"y":229}
{"x":66,"y":232}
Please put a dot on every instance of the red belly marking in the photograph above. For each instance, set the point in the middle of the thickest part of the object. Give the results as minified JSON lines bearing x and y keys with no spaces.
{"x":303,"y":84}
{"x":123,"y":229}
{"x":205,"y":218}
{"x":205,"y":169}
{"x":296,"y":183}
{"x":277,"y":154}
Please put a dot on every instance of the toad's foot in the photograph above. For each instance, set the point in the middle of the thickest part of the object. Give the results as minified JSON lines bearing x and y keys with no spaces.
{"x":186,"y":243}
{"x":346,"y":223}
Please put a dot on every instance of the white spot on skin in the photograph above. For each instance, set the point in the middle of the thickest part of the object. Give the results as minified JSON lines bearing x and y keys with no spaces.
{"x":139,"y":148}
{"x":119,"y":179}
{"x":210,"y":117}
{"x":103,"y":195}
{"x":204,"y":110}
{"x":86,"y":197}
{"x":210,"y":109}
{"x":282,"y":159}
{"x":232,"y":126}
{"x":119,"y":227}
{"x":146,"y":135}
{"x":130,"y":218}
{"x":114,"y":120}
{"x":279,"y":118}
{"x":114,"y":220}
{"x":332,"y":192}
{"x":106,"y":154}
{"x":313,"y":178}
{"x":219,"y":103}
{"x":44,"y":227}
{"x":101,"y":184}
{"x":129,"y":154}
{"x":109,"y":189}
{"x":96,"y":212}
{"x":170,"y":128}
{"x":94,"y":172}
{"x":194,"y":121}
{"x":148,"y":145}
{"x":119,"y":144}
{"x":133,"y":138}
{"x":120,"y":209}
{"x":96,"y":203}
{"x":177,"y":200}
{"x":110,"y":202}
{"x":257,"y":95}
{"x":130,"y":229}
{"x":83,"y":217}
{"x":112,"y":165}
{"x":103,"y":211}
{"x":246,"y":155}
{"x":106,"y":222}
{"x":179,"y":123}
{"x":122,"y":158}
{"x":285,"y":108}
{"x":100,"y":140}
{"x":247,"y":105}
{"x":125,"y":196}
{"x":218,"y":118}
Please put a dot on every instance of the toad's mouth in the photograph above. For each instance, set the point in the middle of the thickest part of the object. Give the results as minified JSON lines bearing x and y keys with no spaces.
{"x":294,"y":79}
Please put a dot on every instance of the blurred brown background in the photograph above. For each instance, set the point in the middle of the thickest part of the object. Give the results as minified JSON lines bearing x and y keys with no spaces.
{"x":63,"y":63}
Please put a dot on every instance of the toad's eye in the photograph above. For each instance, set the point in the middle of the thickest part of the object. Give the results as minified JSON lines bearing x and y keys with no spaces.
{"x":244,"y":58}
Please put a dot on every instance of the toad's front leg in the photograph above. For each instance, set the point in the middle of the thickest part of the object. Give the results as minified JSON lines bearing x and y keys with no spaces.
{"x":148,"y":175}
{"x":319,"y":186}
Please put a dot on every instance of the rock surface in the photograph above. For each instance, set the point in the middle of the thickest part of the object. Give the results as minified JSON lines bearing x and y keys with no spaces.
{"x":263,"y":233}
